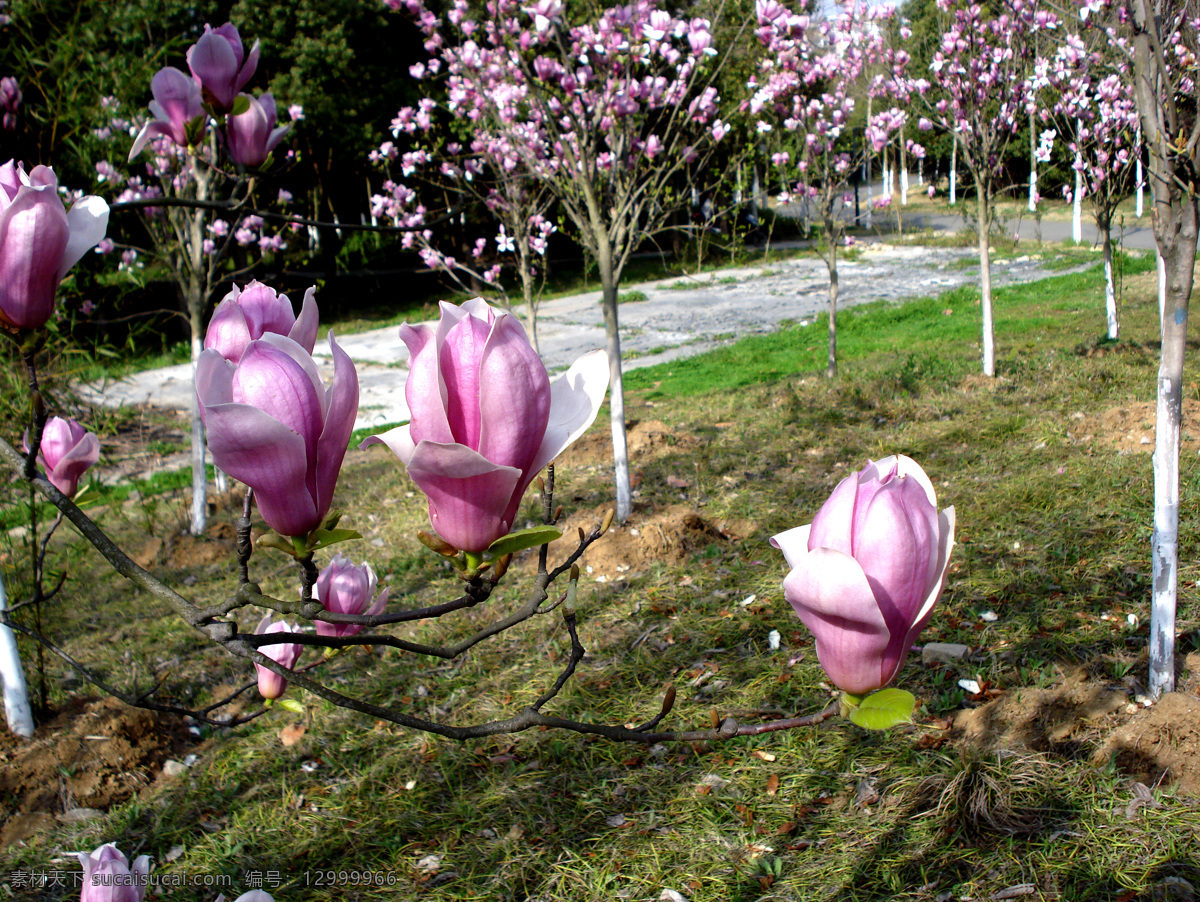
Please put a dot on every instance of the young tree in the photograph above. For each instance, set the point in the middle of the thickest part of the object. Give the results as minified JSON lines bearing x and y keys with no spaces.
{"x":984,"y":68}
{"x":813,"y":76}
{"x":609,"y":112}
{"x":1166,"y":50}
{"x":1095,"y":110}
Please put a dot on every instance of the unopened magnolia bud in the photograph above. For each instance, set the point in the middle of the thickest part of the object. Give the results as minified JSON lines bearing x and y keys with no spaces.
{"x":714,"y":717}
{"x":582,"y":534}
{"x":574,"y":573}
{"x":607,"y":522}
{"x":558,"y":514}
{"x":501,"y":567}
{"x":437,"y":543}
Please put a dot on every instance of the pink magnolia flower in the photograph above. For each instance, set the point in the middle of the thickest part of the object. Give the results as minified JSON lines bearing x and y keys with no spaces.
{"x":107,"y":876}
{"x":67,"y":451}
{"x":868,"y":570}
{"x":178,"y":112}
{"x":255,"y":895}
{"x":271,"y":685}
{"x":344,"y":588}
{"x":274,"y":425}
{"x":10,"y":101}
{"x":220,"y":66}
{"x":485,"y":418}
{"x":39,"y":242}
{"x":246,"y":314}
{"x":252,"y":135}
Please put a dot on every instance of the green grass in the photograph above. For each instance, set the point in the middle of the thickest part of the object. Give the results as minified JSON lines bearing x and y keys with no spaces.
{"x":1053,"y":536}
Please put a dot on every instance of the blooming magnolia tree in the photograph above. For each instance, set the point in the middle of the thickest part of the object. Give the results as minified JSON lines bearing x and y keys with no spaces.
{"x":1166,"y":52}
{"x":812,"y":78}
{"x":984,"y":69}
{"x":1095,"y":112}
{"x":607,"y":114}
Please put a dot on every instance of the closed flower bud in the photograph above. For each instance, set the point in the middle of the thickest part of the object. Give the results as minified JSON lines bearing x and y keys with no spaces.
{"x":219,"y":65}
{"x":868,"y":570}
{"x":67,"y":451}
{"x":107,"y":876}
{"x":246,"y":314}
{"x":344,"y":588}
{"x":270,"y":684}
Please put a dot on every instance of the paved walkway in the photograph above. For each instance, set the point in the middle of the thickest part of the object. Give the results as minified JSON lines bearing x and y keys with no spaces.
{"x":678,"y":318}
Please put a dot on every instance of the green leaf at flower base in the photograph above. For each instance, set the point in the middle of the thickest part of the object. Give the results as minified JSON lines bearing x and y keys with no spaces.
{"x":88,"y":498}
{"x":522,"y":539}
{"x":883,"y":709}
{"x":241,"y":104}
{"x":290,"y":704}
{"x":323,"y":538}
{"x":279,"y":543}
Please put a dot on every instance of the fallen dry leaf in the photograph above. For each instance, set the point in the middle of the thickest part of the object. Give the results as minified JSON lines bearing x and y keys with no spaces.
{"x":772,"y":784}
{"x":292,"y":733}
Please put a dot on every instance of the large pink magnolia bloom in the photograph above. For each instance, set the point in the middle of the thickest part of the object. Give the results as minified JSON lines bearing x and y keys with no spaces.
{"x":485,"y":418}
{"x":346,"y":588}
{"x":67,"y":451}
{"x":108,"y":877}
{"x":252,"y":135}
{"x":270,"y":684}
{"x":178,"y":112}
{"x":274,"y":425}
{"x":868,"y":570}
{"x":246,"y":314}
{"x":39,"y":242}
{"x":220,"y":66}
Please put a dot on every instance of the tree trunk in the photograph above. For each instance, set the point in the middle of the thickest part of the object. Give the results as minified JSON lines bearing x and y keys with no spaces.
{"x":831,"y":262}
{"x":12,"y":679}
{"x":525,"y":269}
{"x":982,"y":198}
{"x":1033,"y":173}
{"x":196,"y":290}
{"x":953,"y":168}
{"x":616,"y":388}
{"x":1110,"y":288}
{"x":1077,"y":197}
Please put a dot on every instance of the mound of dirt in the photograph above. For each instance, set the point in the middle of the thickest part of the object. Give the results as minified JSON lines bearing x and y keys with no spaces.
{"x":92,"y":755}
{"x":670,"y":535}
{"x":1159,"y":745}
{"x":1130,"y":428}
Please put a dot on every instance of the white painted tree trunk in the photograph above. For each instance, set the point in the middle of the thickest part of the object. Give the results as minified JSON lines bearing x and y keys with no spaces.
{"x":954,"y":170}
{"x":1077,"y":203}
{"x":199,"y":473}
{"x":12,"y":679}
{"x":1110,"y":288}
{"x":1139,"y":203}
{"x":1165,"y":542}
{"x":1033,"y":173}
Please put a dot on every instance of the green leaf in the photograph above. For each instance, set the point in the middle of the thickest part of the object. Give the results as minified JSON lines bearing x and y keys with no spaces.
{"x":884,"y":709}
{"x":241,"y":103}
{"x":290,"y":704}
{"x":86,"y":498}
{"x":522,"y":539}
{"x":279,"y":543}
{"x":323,"y":538}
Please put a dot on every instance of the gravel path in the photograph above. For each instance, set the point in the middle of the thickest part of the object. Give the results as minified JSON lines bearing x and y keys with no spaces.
{"x":680,"y":317}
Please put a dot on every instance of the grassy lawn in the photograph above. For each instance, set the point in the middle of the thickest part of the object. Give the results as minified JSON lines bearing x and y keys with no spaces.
{"x":1012,"y":788}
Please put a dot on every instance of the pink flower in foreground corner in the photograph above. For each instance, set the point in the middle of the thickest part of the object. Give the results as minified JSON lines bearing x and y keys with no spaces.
{"x":67,"y":451}
{"x":220,"y":66}
{"x":246,"y":314}
{"x":107,"y":876}
{"x":271,"y":685}
{"x":274,"y":425}
{"x":485,"y":418}
{"x":344,"y":588}
{"x":868,"y":570}
{"x":39,"y":242}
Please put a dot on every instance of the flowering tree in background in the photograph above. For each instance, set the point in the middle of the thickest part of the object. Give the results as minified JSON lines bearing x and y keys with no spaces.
{"x":1166,"y":52}
{"x":813,"y":75}
{"x":609,"y":115}
{"x":1096,"y":114}
{"x":983,"y":68}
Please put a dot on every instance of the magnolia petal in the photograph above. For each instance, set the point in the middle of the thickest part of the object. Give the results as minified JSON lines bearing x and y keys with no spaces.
{"x":833,"y":526}
{"x":793,"y":543}
{"x":341,"y":410}
{"x":88,"y":221}
{"x":468,"y":494}
{"x":66,"y":474}
{"x":304,"y":331}
{"x":399,"y":441}
{"x":255,"y":448}
{"x":896,"y":546}
{"x":575,"y":399}
{"x":424,"y":391}
{"x":831,"y":595}
{"x":514,"y":397}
